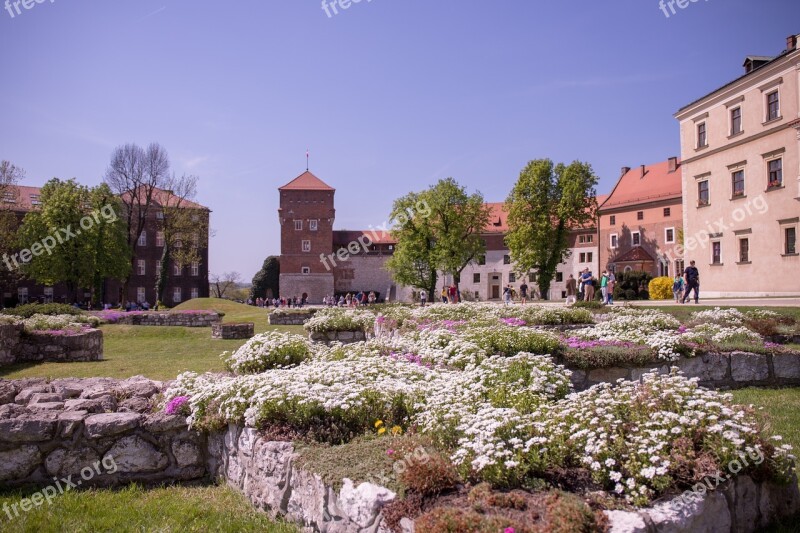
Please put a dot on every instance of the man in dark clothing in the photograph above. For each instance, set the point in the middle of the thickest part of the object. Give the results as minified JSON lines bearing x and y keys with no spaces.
{"x":523,"y":292}
{"x":692,"y":277}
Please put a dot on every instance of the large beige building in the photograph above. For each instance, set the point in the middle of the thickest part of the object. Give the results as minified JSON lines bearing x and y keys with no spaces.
{"x":740,"y":150}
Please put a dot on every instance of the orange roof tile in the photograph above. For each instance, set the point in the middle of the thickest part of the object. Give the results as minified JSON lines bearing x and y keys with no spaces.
{"x":163,"y":198}
{"x":344,"y":237}
{"x":658,"y":183}
{"x":306,"y":182}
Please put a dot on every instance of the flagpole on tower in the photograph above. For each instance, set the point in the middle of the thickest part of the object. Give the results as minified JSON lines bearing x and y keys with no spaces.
{"x":307,"y":160}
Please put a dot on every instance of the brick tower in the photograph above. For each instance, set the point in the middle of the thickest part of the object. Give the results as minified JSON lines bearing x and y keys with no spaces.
{"x":306,"y":214}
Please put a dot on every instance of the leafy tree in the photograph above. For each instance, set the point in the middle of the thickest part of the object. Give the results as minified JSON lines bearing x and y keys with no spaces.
{"x":266,"y":281}
{"x":10,"y":176}
{"x":446,"y":240}
{"x":413,"y":262}
{"x":183,"y":226}
{"x":545,"y":204}
{"x":225,"y":285}
{"x":75,"y":237}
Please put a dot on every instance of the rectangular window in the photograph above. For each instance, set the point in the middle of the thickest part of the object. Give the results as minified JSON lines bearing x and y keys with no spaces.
{"x":581,"y":239}
{"x":177,"y":268}
{"x":559,"y":277}
{"x":773,"y":106}
{"x":667,"y":211}
{"x":482,"y":260}
{"x":669,"y":235}
{"x":195,"y":268}
{"x":142,"y":239}
{"x":790,"y":236}
{"x":506,"y":259}
{"x":702,"y":193}
{"x":744,"y":250}
{"x":589,"y":257}
{"x":702,"y":138}
{"x":512,"y":277}
{"x":195,"y":293}
{"x":775,"y":178}
{"x":736,"y":120}
{"x":48,"y":295}
{"x":583,"y":258}
{"x":298,"y":225}
{"x":22,"y":295}
{"x":640,"y":215}
{"x":160,"y":238}
{"x":306,"y":246}
{"x":140,"y":295}
{"x":476,"y":277}
{"x":716,"y":253}
{"x":612,"y":220}
{"x":614,"y":240}
{"x":305,"y":270}
{"x":312,"y":225}
{"x":160,"y":215}
{"x":737,"y":184}
{"x":636,"y":238}
{"x":141,"y":268}
{"x":158,"y":267}
{"x":176,"y":295}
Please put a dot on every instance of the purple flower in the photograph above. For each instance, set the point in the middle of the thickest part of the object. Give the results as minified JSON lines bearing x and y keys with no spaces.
{"x":513,"y":322}
{"x":176,"y":405}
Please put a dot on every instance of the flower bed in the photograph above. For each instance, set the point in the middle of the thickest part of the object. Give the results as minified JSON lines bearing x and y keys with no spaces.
{"x":189,"y":319}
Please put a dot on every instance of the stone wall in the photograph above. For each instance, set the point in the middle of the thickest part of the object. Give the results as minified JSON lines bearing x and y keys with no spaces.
{"x":9,"y":339}
{"x":233,"y":331}
{"x":39,"y":347}
{"x":720,"y":371}
{"x":69,"y":427}
{"x":291,"y":318}
{"x":153,"y":318}
{"x":344,"y":337}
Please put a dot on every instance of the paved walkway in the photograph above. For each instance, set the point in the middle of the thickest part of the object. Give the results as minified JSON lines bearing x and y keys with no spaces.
{"x":732,"y":302}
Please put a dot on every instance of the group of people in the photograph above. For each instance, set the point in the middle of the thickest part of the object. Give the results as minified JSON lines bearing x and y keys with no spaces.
{"x":279,"y":302}
{"x":350,"y":300}
{"x":583,"y":288}
{"x":683,"y":285}
{"x":448,"y":295}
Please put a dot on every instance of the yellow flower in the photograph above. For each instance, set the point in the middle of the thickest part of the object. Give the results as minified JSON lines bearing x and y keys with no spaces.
{"x":381,"y":431}
{"x":397,"y":430}
{"x":379,"y":423}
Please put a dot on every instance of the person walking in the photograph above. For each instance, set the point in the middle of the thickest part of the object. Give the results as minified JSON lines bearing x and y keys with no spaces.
{"x":444,"y":295}
{"x":677,"y":288}
{"x":572,"y":290}
{"x":452,"y":293}
{"x":507,"y":295}
{"x":612,"y":282}
{"x":523,"y":292}
{"x":423,"y":297}
{"x":588,"y":285}
{"x":692,"y":277}
{"x":604,"y":286}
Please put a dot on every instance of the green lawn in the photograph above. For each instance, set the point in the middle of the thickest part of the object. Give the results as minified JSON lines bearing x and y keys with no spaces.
{"x":134,"y":509}
{"x":156,"y":352}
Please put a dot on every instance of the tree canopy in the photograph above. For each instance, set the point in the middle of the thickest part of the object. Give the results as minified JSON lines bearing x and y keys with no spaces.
{"x":548,"y":201}
{"x":266,"y":282}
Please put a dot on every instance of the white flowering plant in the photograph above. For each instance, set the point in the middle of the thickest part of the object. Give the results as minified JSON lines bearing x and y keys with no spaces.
{"x":74,"y":323}
{"x":337,"y":319}
{"x":266,"y":351}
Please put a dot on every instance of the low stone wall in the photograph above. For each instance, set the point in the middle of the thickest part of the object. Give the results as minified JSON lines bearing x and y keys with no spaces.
{"x":720,"y":371}
{"x":233,"y":331}
{"x":266,"y":473}
{"x":9,"y":340}
{"x":293,"y":318}
{"x":186,"y":320}
{"x":784,"y":339}
{"x":74,"y":427}
{"x":740,"y":505}
{"x":344,"y":337}
{"x":17,"y":346}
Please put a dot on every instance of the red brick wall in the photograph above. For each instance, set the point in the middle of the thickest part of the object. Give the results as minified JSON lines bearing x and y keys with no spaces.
{"x":305,"y":206}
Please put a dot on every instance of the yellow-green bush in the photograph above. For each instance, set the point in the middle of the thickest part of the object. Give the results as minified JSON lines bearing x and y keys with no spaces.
{"x":660,"y":288}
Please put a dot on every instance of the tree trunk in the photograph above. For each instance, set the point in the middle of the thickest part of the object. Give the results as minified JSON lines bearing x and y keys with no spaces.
{"x":161,"y":278}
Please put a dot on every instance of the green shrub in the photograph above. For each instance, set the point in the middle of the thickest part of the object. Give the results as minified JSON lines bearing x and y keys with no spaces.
{"x":28,"y":310}
{"x":632,"y":285}
{"x":661,"y":288}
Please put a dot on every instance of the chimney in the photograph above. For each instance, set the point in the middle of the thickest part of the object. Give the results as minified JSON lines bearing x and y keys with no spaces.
{"x":625,"y":170}
{"x":644,"y":170}
{"x":673,"y":164}
{"x":791,"y":43}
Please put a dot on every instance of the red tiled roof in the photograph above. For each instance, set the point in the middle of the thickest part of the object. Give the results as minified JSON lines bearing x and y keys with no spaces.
{"x":498,"y":217}
{"x":658,"y":183}
{"x":634,"y":255}
{"x":306,"y":182}
{"x":164,"y":198}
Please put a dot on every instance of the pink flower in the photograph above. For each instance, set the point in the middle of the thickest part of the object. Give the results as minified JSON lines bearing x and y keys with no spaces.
{"x":390,"y":452}
{"x":509,"y":530}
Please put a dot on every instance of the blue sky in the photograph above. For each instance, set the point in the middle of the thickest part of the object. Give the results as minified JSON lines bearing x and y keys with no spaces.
{"x":389,"y":95}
